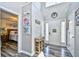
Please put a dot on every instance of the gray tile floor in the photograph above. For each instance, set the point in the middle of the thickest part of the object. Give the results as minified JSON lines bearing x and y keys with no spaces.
{"x":49,"y":51}
{"x":11,"y":53}
{"x":11,"y":50}
{"x":56,"y":51}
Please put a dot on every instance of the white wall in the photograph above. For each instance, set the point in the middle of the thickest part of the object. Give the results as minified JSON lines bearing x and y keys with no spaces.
{"x":72,"y":44}
{"x":37,"y":29}
{"x":26,"y":38}
{"x":70,"y":41}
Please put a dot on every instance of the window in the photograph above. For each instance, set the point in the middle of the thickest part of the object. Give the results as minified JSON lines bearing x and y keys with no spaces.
{"x":51,"y":3}
{"x":46,"y":37}
{"x":63,"y":32}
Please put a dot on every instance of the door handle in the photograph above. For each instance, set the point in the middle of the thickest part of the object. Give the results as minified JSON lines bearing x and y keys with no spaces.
{"x":73,"y":37}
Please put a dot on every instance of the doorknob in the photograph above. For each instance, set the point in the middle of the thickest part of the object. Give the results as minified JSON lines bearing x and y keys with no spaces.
{"x":73,"y":37}
{"x":49,"y":33}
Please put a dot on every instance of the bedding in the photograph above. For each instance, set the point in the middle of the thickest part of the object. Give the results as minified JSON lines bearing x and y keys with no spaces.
{"x":13,"y":36}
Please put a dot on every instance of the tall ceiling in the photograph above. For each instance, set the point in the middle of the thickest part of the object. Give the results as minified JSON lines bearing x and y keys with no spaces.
{"x":14,"y":6}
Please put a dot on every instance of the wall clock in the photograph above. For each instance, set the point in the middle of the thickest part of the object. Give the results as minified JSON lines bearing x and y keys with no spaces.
{"x":54,"y":15}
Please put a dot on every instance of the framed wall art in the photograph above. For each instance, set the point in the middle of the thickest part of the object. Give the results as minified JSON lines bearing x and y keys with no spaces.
{"x":26,"y":23}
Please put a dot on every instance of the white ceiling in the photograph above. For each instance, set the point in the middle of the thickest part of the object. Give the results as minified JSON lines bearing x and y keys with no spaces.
{"x":14,"y":6}
{"x":52,"y":3}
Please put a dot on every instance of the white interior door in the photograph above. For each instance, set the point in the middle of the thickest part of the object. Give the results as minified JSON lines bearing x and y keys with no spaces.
{"x":54,"y":32}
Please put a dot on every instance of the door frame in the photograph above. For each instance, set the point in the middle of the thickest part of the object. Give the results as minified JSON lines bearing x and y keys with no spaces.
{"x":19,"y":17}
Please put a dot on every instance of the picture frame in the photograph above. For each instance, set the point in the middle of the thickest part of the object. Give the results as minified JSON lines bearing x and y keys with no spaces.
{"x":26,"y":23}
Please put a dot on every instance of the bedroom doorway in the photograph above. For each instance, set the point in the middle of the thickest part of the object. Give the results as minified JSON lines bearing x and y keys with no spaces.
{"x":9,"y":34}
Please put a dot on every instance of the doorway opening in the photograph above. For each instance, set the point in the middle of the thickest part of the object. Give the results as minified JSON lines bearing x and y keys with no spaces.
{"x":9,"y":33}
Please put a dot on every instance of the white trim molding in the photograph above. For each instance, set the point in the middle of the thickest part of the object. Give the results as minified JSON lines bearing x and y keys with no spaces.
{"x":19,"y":22}
{"x":4,"y":8}
{"x":27,"y":53}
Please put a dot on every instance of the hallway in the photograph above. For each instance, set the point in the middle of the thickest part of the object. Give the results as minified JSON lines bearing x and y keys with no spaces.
{"x":35,"y":29}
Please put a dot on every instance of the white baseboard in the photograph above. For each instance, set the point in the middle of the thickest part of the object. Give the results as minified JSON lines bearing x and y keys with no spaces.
{"x":56,"y":45}
{"x":30,"y":54}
